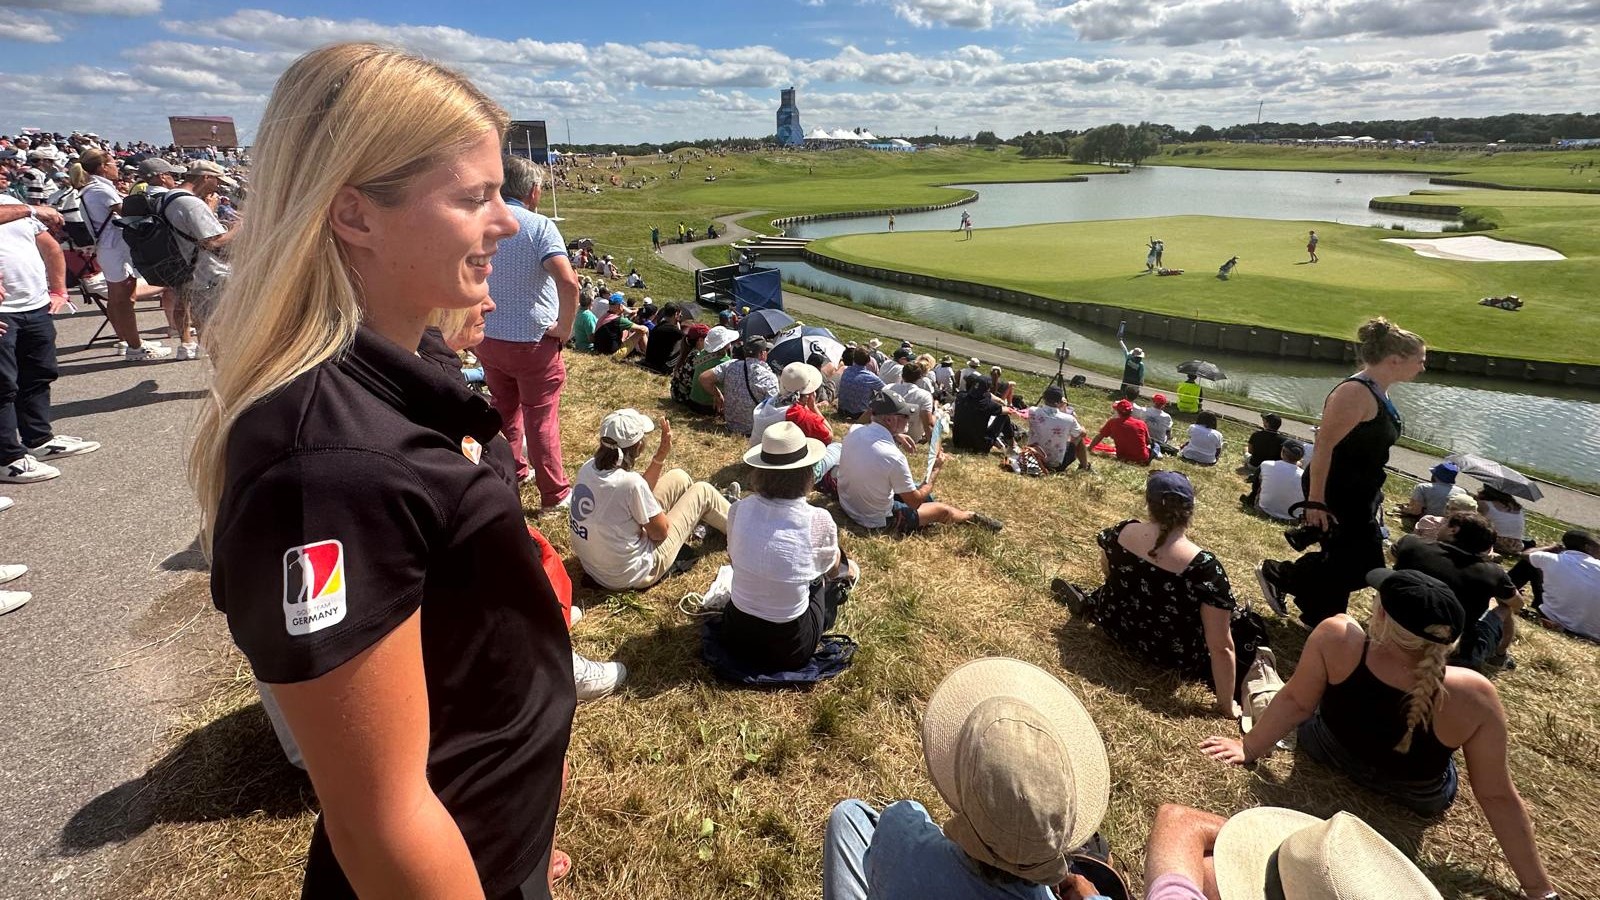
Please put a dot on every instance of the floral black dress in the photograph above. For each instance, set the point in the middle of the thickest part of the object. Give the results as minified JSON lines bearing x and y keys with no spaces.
{"x":1154,"y":613}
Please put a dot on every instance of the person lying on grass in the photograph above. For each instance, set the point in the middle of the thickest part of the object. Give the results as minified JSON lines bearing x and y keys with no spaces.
{"x":627,"y":528}
{"x":1020,"y":763}
{"x":874,"y":480}
{"x":1386,"y":710}
{"x":789,"y":574}
{"x":1165,"y":599}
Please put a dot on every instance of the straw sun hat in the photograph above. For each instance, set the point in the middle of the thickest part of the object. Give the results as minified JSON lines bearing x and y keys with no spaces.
{"x":784,"y":446}
{"x":1269,"y":852}
{"x":997,"y":730}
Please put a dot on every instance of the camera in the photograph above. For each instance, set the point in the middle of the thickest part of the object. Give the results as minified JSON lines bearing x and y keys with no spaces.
{"x":1063,"y":353}
{"x":1303,"y":536}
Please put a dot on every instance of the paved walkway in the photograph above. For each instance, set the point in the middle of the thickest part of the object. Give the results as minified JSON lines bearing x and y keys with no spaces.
{"x":1560,"y":503}
{"x":87,"y":680}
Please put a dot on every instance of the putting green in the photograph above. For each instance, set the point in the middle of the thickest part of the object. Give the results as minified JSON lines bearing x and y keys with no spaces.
{"x":1359,"y":276}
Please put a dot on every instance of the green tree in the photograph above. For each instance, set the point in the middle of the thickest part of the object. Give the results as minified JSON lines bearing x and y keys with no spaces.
{"x":986,"y":139}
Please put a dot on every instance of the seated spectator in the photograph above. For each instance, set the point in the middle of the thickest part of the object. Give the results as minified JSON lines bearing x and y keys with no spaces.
{"x":857,"y":384}
{"x":909,"y":389}
{"x":1430,"y":498}
{"x":828,"y":392}
{"x":876,"y":358}
{"x":627,"y":528}
{"x":1428,"y":527}
{"x":583,"y":330}
{"x":634,"y":279}
{"x":794,"y":402}
{"x":1194,"y":855}
{"x":714,"y":351}
{"x":617,"y":332}
{"x":666,"y":341}
{"x":1509,"y":519}
{"x":875,"y":484}
{"x":971,"y":368}
{"x":1277,"y":484}
{"x":996,"y":731}
{"x":682,"y":383}
{"x":1387,"y":711}
{"x":944,"y":379}
{"x":1156,"y":419}
{"x":889,"y":372}
{"x":1054,"y":436}
{"x":926,"y":363}
{"x":1167,"y":600}
{"x":1128,"y":434}
{"x":1565,"y":582}
{"x":738,"y":386}
{"x":789,"y":575}
{"x":980,"y":422}
{"x":1003,"y":390}
{"x":646,"y":314}
{"x":1204,"y":445}
{"x":1459,"y":558}
{"x":1266,"y":444}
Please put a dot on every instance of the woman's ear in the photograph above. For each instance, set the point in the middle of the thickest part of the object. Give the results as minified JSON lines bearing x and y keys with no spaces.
{"x":351,"y":217}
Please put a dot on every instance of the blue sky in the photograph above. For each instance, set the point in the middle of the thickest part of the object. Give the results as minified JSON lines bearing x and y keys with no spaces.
{"x":628,"y":71}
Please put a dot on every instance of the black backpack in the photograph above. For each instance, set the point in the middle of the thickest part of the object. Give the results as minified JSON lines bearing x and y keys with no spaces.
{"x":153,"y":240}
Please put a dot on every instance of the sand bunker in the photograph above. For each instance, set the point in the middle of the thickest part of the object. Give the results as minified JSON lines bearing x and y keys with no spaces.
{"x":1478,"y":249}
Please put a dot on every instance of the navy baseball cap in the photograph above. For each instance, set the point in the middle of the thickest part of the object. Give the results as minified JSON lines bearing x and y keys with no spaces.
{"x":1168,"y":484}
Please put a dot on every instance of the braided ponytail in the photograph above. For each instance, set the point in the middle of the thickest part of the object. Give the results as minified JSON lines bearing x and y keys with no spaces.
{"x":1424,"y":697}
{"x":1170,"y":512}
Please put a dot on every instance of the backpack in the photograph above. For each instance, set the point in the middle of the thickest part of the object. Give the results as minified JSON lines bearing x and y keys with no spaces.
{"x":153,"y":241}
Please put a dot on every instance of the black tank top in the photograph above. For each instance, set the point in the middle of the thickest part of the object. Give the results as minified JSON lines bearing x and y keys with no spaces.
{"x":1369,"y":717}
{"x":1356,"y":475}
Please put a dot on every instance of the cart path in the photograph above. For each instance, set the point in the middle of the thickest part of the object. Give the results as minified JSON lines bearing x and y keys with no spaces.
{"x":1560,"y":503}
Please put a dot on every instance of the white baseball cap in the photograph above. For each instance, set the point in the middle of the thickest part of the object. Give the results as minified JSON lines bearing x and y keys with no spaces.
{"x":624,"y":428}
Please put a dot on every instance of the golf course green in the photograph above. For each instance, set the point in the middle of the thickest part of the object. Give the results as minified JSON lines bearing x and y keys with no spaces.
{"x":1359,"y":275}
{"x":1552,"y":170}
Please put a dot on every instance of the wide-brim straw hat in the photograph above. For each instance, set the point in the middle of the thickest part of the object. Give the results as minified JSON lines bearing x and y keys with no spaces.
{"x":975,"y":683}
{"x":1307,"y":858}
{"x":784,"y":446}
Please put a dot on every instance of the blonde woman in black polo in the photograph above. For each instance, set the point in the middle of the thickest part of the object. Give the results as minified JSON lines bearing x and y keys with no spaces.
{"x":367,"y":541}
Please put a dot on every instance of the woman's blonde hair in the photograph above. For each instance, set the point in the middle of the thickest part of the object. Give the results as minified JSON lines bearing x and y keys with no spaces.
{"x":1424,"y":697}
{"x":354,"y":114}
{"x":1381,"y":339}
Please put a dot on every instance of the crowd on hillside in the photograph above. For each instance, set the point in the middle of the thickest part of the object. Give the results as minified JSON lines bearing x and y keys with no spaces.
{"x":349,"y":478}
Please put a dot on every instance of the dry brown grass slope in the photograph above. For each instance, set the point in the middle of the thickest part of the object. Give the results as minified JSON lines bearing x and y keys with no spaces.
{"x":683,"y":788}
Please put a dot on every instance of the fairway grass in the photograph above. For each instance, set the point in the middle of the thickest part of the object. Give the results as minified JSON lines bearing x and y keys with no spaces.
{"x":683,"y":788}
{"x":1540,"y":170}
{"x":1359,"y":276}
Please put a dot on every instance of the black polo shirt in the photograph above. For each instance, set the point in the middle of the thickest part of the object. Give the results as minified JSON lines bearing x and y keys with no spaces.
{"x":370,"y":487}
{"x":661,"y":354}
{"x":1473,"y":579}
{"x":1265,"y":446}
{"x":969,"y":421}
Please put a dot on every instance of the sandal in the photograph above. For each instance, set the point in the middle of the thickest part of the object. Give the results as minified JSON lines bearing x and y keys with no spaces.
{"x":560,"y":866}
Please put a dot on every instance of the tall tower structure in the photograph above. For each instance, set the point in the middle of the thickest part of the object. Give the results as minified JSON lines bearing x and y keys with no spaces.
{"x":789,"y":132}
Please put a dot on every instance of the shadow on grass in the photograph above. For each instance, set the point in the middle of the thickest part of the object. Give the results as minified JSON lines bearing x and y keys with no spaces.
{"x":1091,"y":655}
{"x":662,"y":659}
{"x":231,"y":768}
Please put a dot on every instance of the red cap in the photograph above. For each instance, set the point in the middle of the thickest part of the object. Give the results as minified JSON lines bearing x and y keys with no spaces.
{"x":1159,"y":399}
{"x":1123,"y":407}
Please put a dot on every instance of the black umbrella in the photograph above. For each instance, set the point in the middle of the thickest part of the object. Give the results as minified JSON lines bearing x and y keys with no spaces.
{"x":1502,"y":478}
{"x":1199,"y":368}
{"x":798,"y":344}
{"x":764,"y":323}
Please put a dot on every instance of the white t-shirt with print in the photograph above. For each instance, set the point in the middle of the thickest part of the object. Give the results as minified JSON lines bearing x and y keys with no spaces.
{"x":921,"y":400}
{"x":1281,"y":488}
{"x":1053,"y":430}
{"x":871,"y":472}
{"x":21,"y":267}
{"x":607,"y":518}
{"x":777,"y":548}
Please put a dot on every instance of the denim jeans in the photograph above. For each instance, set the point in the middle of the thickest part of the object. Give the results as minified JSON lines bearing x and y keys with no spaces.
{"x":27,"y":367}
{"x":1429,"y":799}
{"x":844,"y":850}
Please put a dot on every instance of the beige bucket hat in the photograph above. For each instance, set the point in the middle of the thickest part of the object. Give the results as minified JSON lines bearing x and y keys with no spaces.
{"x":1000,"y":729}
{"x":1282,"y":853}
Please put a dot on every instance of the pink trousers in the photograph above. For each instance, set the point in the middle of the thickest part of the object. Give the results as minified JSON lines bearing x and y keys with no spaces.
{"x":525,"y":383}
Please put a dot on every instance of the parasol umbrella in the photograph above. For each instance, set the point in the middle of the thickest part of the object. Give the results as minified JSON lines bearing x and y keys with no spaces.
{"x":1502,"y":478}
{"x":1199,"y":368}
{"x":764,"y":323}
{"x":798,"y":343}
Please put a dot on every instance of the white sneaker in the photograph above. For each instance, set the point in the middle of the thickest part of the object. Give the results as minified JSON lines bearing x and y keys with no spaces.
{"x":27,"y":470}
{"x":63,"y":445}
{"x":147,"y":353}
{"x":122,"y":346}
{"x":188,"y":351}
{"x":562,"y":506}
{"x":11,"y":600}
{"x":596,"y":679}
{"x":7,"y":502}
{"x":575,"y":617}
{"x":12,"y":573}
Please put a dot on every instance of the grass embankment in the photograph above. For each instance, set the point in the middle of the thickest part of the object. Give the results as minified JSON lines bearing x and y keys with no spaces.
{"x":1542,"y":170}
{"x":676,"y":750}
{"x":1359,"y":276}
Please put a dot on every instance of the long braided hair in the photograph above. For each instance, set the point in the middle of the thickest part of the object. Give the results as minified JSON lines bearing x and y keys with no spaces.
{"x":1170,"y":512}
{"x":1424,"y":697}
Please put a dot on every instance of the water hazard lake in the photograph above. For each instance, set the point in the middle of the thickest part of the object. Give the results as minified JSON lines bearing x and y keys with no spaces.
{"x":1550,"y":427}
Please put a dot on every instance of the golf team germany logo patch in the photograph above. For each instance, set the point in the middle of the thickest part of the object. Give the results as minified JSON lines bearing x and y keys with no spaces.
{"x":313,"y":587}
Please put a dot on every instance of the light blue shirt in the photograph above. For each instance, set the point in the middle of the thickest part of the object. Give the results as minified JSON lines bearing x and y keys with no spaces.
{"x":911,"y":858}
{"x":525,"y":299}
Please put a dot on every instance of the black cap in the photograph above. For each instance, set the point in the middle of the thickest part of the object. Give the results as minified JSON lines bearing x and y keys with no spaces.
{"x":903,"y":353}
{"x":1420,"y":603}
{"x":1052,"y":395}
{"x":887,"y":404}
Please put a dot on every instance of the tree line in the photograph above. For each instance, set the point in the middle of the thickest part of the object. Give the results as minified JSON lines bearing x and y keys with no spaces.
{"x":1115,"y":143}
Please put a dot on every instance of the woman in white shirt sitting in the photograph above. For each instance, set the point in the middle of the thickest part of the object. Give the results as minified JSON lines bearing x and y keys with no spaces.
{"x":789,"y":575}
{"x":1205,"y":441}
{"x":627,"y":528}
